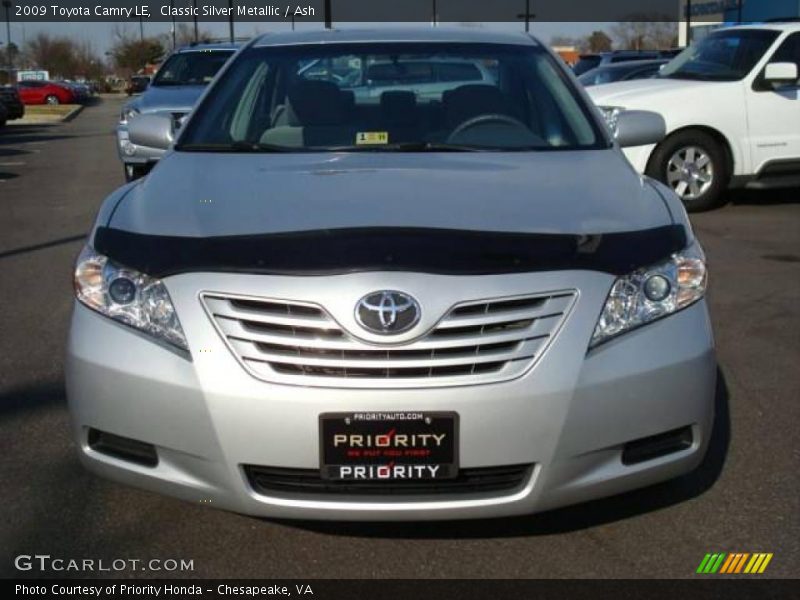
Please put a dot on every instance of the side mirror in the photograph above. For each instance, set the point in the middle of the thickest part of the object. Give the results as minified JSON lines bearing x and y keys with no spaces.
{"x":639,"y":128}
{"x":781,"y":73}
{"x":153,"y":131}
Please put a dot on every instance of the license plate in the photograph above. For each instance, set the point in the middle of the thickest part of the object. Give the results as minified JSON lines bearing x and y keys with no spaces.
{"x":388,"y":446}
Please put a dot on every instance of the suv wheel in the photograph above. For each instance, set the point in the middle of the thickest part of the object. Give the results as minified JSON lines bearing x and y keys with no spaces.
{"x":693,"y":164}
{"x":134,"y":172}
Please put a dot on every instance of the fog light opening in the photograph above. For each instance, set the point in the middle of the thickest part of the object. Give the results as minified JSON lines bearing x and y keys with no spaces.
{"x":656,"y":446}
{"x":123,"y":448}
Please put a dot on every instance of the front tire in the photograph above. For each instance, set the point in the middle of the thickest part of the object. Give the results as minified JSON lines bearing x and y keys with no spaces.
{"x":52,"y":100}
{"x":693,"y":164}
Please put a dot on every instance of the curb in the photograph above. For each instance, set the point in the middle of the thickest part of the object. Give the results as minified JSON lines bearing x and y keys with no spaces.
{"x":38,"y":120}
{"x":72,"y":114}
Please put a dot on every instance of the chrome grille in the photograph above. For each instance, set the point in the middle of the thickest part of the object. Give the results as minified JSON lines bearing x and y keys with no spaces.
{"x":475,"y":342}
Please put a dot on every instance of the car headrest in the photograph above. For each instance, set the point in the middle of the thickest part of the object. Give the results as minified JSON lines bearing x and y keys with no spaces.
{"x":398,"y":107}
{"x":317,"y":103}
{"x":471,"y":100}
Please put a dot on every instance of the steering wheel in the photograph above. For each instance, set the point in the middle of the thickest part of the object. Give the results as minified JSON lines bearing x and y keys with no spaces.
{"x":482,"y":119}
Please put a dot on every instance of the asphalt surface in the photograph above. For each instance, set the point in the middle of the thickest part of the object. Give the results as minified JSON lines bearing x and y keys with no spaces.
{"x":744,"y":498}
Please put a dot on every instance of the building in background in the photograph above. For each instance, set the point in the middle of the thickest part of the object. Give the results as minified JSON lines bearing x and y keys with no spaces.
{"x":703,"y":16}
{"x":569,"y":54}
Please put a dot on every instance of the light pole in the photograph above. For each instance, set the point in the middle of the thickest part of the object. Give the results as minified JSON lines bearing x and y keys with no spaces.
{"x":688,"y":22}
{"x":194,"y":18}
{"x":172,"y":16}
{"x":328,"y":15}
{"x":141,"y":29}
{"x":527,"y":15}
{"x":230,"y":18}
{"x":7,"y":6}
{"x":434,"y":19}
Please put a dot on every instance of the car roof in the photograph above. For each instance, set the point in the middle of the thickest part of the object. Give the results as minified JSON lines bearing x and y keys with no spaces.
{"x":775,"y":26}
{"x":209,"y":46}
{"x":397,"y":34}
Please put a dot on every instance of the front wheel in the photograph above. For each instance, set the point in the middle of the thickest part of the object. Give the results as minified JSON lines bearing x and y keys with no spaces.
{"x":693,"y":164}
{"x":52,"y":100}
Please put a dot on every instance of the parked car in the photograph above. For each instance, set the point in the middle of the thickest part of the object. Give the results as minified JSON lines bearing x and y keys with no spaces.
{"x":732,"y":109}
{"x":9,"y":97}
{"x":587,"y":62}
{"x":82,"y":91}
{"x":173,"y":91}
{"x":44,"y":92}
{"x":137,"y":84}
{"x":317,"y":306}
{"x":624,"y":71}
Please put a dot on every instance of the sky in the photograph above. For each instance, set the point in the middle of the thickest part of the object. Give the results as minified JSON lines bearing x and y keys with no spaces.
{"x":101,"y":35}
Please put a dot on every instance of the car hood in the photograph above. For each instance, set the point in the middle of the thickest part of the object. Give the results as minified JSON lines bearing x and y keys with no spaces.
{"x":636,"y":93}
{"x":205,"y":195}
{"x":169,"y":98}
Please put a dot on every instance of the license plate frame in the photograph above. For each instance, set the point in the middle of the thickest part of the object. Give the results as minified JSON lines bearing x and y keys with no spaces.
{"x":394,"y":462}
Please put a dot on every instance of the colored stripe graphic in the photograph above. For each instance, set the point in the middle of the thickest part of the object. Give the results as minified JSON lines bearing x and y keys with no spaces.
{"x":764,"y":564}
{"x":711,"y":563}
{"x":703,"y":563}
{"x":727,"y":564}
{"x":734,"y":563}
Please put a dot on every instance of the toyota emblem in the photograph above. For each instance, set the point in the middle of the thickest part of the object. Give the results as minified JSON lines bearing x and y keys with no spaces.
{"x":387,"y":312}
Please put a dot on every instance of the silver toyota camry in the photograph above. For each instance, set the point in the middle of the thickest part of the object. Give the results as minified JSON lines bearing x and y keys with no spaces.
{"x":392,"y":275}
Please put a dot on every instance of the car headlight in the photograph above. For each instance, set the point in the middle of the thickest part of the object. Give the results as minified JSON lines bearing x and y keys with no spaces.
{"x":611,"y":116}
{"x":127,"y":296}
{"x":651,"y":293}
{"x":128,"y":113}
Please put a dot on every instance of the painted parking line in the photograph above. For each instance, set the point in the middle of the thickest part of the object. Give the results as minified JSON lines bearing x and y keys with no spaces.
{"x":11,"y":164}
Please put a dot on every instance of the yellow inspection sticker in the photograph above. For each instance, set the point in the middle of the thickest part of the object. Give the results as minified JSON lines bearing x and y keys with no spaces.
{"x":372,"y":137}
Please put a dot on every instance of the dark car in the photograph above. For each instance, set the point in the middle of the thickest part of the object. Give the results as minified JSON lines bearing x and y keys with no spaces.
{"x":14,"y":108}
{"x":137,"y":84}
{"x":588,"y":62}
{"x":44,"y":92}
{"x":81,"y":91}
{"x":625,"y":71}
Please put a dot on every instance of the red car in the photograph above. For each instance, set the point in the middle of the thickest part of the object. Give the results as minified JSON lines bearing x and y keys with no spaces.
{"x":44,"y":92}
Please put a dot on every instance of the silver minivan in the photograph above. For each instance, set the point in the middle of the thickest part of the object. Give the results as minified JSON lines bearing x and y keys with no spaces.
{"x":446,"y":305}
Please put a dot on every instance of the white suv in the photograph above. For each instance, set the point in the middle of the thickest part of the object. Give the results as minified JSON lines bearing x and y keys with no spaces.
{"x":732,"y":107}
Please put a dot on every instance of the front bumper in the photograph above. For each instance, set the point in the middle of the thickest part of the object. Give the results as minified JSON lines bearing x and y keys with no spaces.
{"x":568,"y":416}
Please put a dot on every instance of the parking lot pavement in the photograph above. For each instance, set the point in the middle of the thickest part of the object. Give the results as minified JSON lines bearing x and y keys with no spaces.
{"x":744,"y":498}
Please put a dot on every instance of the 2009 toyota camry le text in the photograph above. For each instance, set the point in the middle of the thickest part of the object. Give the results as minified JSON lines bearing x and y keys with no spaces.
{"x":393,"y":274}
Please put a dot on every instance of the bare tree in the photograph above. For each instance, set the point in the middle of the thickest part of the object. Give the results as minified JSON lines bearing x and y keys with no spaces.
{"x":641,"y":34}
{"x":55,"y":54}
{"x":599,"y":41}
{"x":133,"y":54}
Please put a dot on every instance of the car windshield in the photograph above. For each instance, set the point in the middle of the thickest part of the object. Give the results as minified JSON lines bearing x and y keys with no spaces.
{"x":392,"y":97}
{"x":191,"y":68}
{"x":597,"y":76}
{"x":721,"y":56}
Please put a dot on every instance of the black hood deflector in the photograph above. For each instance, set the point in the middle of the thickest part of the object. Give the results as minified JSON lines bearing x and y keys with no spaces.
{"x":437,"y":251}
